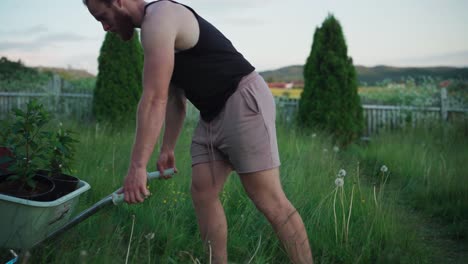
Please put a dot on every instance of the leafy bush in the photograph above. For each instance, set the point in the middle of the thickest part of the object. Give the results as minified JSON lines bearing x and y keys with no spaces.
{"x":330,"y":99}
{"x":118,"y":85}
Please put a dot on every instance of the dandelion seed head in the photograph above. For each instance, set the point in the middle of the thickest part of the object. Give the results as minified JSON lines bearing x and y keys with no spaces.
{"x":342,"y":173}
{"x":149,"y":236}
{"x":336,"y":148}
{"x":314,"y":135}
{"x":325,"y":150}
{"x":383,"y":168}
{"x":339,"y":182}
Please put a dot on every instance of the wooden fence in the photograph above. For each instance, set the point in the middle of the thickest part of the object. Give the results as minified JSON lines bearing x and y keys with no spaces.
{"x":376,"y":117}
{"x":389,"y":117}
{"x":64,"y":105}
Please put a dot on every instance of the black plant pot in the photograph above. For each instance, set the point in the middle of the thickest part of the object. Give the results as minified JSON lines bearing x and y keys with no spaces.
{"x":42,"y":192}
{"x":64,"y":184}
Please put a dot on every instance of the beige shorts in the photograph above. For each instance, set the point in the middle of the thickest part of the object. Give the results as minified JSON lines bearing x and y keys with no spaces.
{"x":244,"y":133}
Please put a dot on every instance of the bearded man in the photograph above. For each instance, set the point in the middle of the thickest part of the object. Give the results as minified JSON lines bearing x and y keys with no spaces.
{"x":186,"y":57}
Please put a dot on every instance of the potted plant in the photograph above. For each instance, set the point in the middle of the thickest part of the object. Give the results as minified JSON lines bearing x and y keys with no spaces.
{"x":27,"y":145}
{"x":62,"y":150}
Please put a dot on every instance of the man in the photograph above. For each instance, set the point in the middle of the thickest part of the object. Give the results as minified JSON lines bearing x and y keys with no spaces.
{"x":186,"y":57}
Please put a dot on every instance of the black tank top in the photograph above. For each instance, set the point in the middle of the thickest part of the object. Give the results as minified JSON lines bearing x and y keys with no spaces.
{"x":210,"y":71}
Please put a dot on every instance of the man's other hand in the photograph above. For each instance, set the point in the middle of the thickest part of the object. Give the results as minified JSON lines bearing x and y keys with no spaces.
{"x":166,"y":161}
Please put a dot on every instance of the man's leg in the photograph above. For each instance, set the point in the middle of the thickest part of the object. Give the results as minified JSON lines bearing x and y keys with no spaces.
{"x":207,"y":181}
{"x":264,"y":189}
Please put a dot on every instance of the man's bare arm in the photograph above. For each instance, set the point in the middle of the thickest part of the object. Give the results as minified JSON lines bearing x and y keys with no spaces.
{"x":175,"y":115}
{"x":159,"y":33}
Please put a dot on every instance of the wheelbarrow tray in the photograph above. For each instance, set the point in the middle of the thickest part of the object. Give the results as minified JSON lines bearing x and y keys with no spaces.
{"x":24,"y":223}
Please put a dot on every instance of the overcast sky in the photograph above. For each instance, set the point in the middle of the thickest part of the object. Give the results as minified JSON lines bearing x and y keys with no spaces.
{"x":270,"y":33}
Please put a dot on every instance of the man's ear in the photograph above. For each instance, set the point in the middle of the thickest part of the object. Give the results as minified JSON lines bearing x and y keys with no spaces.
{"x":118,"y":3}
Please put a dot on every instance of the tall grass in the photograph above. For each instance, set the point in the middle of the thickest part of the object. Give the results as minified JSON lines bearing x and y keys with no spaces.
{"x":429,"y":167}
{"x":360,"y":222}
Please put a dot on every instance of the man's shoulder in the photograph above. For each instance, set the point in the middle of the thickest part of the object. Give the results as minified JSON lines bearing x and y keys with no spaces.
{"x":173,"y":18}
{"x":161,"y":14}
{"x":165,"y":9}
{"x":167,"y":13}
{"x":160,"y":8}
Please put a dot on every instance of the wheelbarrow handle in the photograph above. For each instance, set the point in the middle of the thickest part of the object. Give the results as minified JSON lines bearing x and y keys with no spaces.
{"x":118,"y":198}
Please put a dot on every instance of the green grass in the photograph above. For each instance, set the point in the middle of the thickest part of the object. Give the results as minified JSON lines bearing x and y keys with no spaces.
{"x":379,"y":230}
{"x":428,"y":167}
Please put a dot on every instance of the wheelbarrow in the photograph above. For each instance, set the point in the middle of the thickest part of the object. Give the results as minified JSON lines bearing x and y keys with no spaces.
{"x":35,"y":222}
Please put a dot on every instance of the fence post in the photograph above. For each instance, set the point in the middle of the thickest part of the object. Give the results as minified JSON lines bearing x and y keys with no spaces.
{"x":443,"y":104}
{"x":56,"y":90}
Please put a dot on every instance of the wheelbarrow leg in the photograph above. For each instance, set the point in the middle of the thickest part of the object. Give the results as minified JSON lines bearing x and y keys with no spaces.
{"x":21,"y":258}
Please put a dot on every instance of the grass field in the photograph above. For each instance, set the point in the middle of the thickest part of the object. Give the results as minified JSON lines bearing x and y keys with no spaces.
{"x":290,"y":93}
{"x":423,"y":96}
{"x":376,"y":217}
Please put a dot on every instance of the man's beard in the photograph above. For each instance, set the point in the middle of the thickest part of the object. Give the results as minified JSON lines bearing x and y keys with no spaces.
{"x":125,"y":27}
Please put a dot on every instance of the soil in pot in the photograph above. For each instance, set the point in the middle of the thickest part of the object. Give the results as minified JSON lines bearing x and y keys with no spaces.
{"x":42,"y":191}
{"x":64,"y":184}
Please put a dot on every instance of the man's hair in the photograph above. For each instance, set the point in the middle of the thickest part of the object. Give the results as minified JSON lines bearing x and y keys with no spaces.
{"x":107,"y":2}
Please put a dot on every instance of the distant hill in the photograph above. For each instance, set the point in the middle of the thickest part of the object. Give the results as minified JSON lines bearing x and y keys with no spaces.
{"x":285,"y":74}
{"x":67,"y":74}
{"x":15,"y":77}
{"x":76,"y":81}
{"x":374,"y":75}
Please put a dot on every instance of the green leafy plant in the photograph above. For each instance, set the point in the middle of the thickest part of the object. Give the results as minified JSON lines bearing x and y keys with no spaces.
{"x":27,"y":140}
{"x":62,"y":151}
{"x":118,"y":84}
{"x":33,"y":146}
{"x":330,"y":99}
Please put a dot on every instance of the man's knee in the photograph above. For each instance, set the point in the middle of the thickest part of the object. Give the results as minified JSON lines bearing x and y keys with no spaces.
{"x":204,"y":191}
{"x":208,"y":180}
{"x":276,"y":210}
